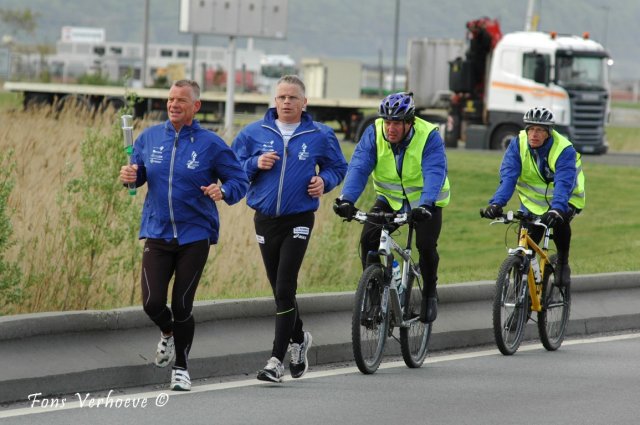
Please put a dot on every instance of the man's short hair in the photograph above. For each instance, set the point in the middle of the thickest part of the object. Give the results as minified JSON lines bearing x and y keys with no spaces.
{"x":292,"y":79}
{"x":195,"y":88}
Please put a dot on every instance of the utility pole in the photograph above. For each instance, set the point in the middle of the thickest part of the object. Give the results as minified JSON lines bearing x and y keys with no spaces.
{"x":145,"y":44}
{"x":381,"y":73}
{"x":231,"y":88}
{"x":194,"y":48}
{"x":395,"y":47}
{"x":529,"y":18}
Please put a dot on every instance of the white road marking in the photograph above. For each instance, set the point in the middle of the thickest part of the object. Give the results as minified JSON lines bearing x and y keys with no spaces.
{"x":165,"y":395}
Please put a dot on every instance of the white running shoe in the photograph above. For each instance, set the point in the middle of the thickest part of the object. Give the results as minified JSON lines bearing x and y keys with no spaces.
{"x":166,"y":351}
{"x":299,"y":363}
{"x":272,"y":372}
{"x":180,"y":380}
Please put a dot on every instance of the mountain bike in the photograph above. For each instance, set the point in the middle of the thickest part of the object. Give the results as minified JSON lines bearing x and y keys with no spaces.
{"x":526,"y":284}
{"x":379,"y":307}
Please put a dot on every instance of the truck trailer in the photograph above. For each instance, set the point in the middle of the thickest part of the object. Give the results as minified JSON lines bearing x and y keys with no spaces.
{"x":152,"y":102}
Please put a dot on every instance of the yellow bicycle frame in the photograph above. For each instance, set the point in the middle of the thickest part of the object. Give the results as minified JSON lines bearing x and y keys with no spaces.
{"x":526,"y":244}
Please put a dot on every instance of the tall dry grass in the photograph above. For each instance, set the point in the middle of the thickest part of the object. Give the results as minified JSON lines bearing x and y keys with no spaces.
{"x":76,"y":237}
{"x":57,"y":250}
{"x":62,"y":272}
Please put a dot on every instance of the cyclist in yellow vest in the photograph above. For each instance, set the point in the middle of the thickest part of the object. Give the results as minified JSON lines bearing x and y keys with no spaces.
{"x":406,"y":158}
{"x":545,"y":169}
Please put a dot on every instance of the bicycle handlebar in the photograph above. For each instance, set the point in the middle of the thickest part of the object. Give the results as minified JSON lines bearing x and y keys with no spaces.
{"x":515,"y":217}
{"x":396,"y":218}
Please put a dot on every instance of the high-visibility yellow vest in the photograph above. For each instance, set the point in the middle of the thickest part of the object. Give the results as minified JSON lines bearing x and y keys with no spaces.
{"x":386,"y":180}
{"x":534,"y":192}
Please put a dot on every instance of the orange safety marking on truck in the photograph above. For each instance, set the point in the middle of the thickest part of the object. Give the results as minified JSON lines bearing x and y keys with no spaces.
{"x":538,"y":92}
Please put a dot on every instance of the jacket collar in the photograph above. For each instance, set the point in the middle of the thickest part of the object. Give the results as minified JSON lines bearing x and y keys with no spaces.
{"x":306,"y":121}
{"x":195,"y":125}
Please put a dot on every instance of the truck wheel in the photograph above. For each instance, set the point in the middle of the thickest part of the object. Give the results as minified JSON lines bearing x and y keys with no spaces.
{"x":114,"y":102}
{"x":502,"y":136}
{"x":366,"y":121}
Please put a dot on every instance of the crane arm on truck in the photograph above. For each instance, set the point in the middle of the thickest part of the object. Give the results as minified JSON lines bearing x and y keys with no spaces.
{"x":467,"y":77}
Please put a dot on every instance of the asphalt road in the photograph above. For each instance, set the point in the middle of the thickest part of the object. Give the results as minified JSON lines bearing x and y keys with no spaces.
{"x":611,"y":158}
{"x":587,"y":381}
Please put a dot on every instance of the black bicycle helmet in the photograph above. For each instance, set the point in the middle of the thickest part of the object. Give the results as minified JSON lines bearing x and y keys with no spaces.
{"x":397,"y":107}
{"x":539,"y":116}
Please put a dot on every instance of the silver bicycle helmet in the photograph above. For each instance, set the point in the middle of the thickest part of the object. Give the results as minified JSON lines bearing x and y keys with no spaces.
{"x":539,"y":116}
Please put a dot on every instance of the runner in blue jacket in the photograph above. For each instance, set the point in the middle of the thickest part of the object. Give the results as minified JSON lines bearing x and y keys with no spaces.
{"x":291,"y":161}
{"x":187,"y":170}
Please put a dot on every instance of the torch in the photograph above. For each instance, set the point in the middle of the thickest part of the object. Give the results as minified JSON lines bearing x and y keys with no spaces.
{"x":127,"y":131}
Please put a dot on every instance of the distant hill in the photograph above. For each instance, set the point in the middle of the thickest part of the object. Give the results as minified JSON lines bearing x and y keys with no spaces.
{"x":355,"y":28}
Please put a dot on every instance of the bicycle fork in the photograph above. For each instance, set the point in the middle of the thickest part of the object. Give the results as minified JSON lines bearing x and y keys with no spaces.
{"x":390,"y":291}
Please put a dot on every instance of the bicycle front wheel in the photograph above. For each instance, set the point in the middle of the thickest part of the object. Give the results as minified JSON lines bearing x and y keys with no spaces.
{"x":369,"y":324}
{"x":414,"y":339}
{"x":556,"y":305}
{"x":510,"y":305}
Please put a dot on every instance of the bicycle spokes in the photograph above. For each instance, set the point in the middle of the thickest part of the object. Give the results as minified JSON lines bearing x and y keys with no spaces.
{"x":554,"y":317}
{"x":511,"y":305}
{"x":370,"y":321}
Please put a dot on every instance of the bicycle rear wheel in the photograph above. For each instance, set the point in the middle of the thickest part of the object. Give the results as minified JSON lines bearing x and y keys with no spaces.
{"x":369,"y":324}
{"x":556,"y":306}
{"x":414,"y":340}
{"x":510,"y":305}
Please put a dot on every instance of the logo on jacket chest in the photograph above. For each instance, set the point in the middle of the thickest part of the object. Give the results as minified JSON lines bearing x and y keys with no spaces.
{"x":193,"y":163}
{"x":268,"y":146}
{"x":156,"y":155}
{"x":303,"y":154}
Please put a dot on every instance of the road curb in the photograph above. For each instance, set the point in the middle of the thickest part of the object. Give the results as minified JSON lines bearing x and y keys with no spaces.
{"x":29,"y":325}
{"x":63,"y":353}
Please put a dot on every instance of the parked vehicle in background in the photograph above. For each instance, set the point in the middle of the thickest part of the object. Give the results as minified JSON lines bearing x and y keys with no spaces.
{"x":476,"y":90}
{"x":272,"y":67}
{"x":501,"y":76}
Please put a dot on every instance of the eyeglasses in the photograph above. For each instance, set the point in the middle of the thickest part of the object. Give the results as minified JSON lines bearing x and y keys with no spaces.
{"x":285,"y":98}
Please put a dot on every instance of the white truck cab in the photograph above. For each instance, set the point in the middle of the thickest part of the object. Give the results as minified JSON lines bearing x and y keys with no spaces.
{"x":567,"y":74}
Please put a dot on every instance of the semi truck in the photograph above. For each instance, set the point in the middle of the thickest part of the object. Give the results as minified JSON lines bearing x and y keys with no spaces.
{"x":478,"y":89}
{"x":502,"y":76}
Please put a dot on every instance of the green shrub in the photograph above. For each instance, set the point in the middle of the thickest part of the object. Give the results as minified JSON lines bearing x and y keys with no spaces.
{"x":10,"y":273}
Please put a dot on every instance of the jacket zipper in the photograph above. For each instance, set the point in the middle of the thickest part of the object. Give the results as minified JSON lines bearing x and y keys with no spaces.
{"x":539,"y":173}
{"x":173,"y":157}
{"x":284,"y":165}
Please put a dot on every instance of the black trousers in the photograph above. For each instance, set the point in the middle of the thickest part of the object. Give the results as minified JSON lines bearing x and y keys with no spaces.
{"x":160,"y":261}
{"x":426,"y":239}
{"x":561,"y":235}
{"x":283,"y":243}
